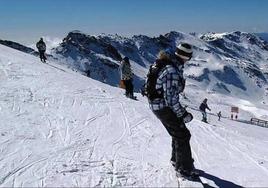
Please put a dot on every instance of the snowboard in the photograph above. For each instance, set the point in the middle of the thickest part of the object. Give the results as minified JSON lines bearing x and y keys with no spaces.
{"x":198,"y":181}
{"x":133,"y":98}
{"x":183,"y":182}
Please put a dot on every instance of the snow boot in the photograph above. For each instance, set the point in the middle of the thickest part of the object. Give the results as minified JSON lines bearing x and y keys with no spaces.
{"x":187,"y":174}
{"x":131,"y":96}
{"x":205,"y":120}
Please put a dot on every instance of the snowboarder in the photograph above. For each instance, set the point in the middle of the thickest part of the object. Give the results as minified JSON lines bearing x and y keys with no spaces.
{"x":219,"y":115}
{"x":41,"y":46}
{"x":163,"y":85}
{"x":127,"y":77}
{"x":203,"y":106}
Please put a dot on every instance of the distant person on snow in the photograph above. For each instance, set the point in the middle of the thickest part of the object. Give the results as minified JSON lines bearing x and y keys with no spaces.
{"x":219,"y":115}
{"x":163,"y":85}
{"x":88,"y":73}
{"x":86,"y":67}
{"x":203,"y":106}
{"x":127,"y":77}
{"x":41,"y":46}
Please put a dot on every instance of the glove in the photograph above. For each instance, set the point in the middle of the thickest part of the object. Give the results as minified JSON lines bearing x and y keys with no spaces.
{"x":187,"y":117}
{"x":183,"y":84}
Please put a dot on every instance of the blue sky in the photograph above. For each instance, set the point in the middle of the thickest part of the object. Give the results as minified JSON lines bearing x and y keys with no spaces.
{"x":26,"y":20}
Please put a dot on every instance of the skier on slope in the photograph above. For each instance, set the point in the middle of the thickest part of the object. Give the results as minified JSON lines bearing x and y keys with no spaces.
{"x":219,"y":115}
{"x":127,"y":77}
{"x":41,"y":46}
{"x":164,"y":84}
{"x":203,"y":106}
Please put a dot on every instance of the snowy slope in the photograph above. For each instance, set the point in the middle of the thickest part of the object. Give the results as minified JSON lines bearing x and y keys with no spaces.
{"x":18,"y":46}
{"x":59,"y":128}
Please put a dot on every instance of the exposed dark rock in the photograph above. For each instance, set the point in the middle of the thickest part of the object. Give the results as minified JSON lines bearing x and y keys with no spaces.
{"x":18,"y":46}
{"x":202,"y":77}
{"x":229,"y":76}
{"x":220,"y":87}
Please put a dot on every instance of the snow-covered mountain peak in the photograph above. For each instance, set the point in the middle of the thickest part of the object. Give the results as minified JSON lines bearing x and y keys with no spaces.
{"x":212,"y":36}
{"x":237,"y":37}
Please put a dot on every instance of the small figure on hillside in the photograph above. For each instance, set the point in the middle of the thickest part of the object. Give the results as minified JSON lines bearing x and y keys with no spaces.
{"x":85,"y":66}
{"x":203,"y":106}
{"x":163,"y":86}
{"x":41,"y":46}
{"x":142,"y":90}
{"x":219,"y":115}
{"x":88,"y":73}
{"x":127,"y":77}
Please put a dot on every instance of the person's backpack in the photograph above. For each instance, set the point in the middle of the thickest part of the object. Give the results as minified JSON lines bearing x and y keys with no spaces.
{"x":149,"y":89}
{"x":122,"y":84}
{"x":41,"y":46}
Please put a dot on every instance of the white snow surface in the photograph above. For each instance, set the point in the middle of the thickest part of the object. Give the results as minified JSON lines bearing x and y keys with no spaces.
{"x":59,"y":128}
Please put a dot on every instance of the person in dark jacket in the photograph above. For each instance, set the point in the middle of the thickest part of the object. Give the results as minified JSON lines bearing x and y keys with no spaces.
{"x":127,"y":76}
{"x":88,"y":73}
{"x":168,"y":109}
{"x":203,"y":106}
{"x":41,"y":46}
{"x":219,"y":115}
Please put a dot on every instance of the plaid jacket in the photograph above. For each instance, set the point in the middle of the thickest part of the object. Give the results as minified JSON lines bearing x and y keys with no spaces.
{"x":171,"y":82}
{"x":126,"y":72}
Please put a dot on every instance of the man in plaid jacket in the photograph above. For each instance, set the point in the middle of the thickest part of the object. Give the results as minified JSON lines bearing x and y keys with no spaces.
{"x":168,"y":109}
{"x":127,"y":77}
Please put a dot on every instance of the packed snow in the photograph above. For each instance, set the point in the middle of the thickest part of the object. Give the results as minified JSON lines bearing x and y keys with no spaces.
{"x":59,"y":128}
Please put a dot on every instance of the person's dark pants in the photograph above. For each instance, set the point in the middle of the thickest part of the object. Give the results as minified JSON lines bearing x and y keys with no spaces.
{"x":88,"y":73}
{"x":204,"y":116}
{"x":181,"y":150}
{"x":129,"y":87}
{"x":42,"y":56}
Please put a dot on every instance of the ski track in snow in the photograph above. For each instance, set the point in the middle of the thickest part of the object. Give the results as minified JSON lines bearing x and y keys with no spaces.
{"x":238,"y":150}
{"x":231,"y":151}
